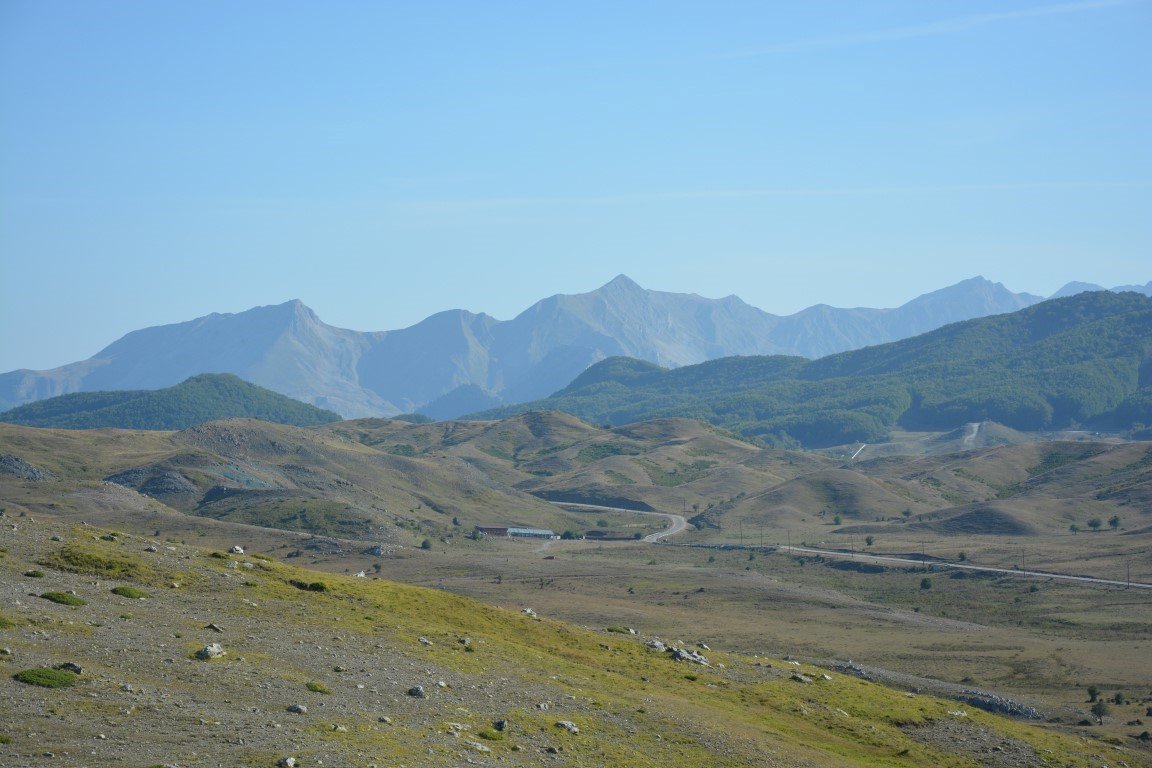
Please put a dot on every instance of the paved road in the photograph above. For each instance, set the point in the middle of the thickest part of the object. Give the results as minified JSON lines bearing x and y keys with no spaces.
{"x":676,"y":523}
{"x":961,"y":566}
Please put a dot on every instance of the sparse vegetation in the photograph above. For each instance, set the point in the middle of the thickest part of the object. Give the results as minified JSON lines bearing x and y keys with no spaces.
{"x":318,"y":688}
{"x":130,"y":592}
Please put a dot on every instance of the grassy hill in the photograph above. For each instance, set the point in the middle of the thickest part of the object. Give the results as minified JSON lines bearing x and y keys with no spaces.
{"x":323,"y":675}
{"x":201,"y":398}
{"x":1085,"y":359}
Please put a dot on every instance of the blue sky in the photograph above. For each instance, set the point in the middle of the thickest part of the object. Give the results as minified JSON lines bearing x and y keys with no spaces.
{"x":385,"y":160}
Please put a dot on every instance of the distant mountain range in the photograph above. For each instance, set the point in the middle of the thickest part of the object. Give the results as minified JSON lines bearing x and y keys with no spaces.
{"x":458,"y":362}
{"x":1083,"y":360}
{"x":202,"y":398}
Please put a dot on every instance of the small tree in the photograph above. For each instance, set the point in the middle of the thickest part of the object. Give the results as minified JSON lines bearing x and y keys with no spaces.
{"x":925,"y":583}
{"x":1093,"y":693}
{"x":1095,"y":523}
{"x":426,"y":544}
{"x":1074,"y":528}
{"x":836,"y":520}
{"x":1118,"y":698}
{"x":963,"y":556}
{"x":1114,"y":522}
{"x":869,"y":540}
{"x":1099,"y":709}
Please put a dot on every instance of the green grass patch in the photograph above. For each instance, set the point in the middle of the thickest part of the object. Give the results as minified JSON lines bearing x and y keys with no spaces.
{"x":6,"y":623}
{"x":45,"y":677}
{"x":34,"y":574}
{"x":491,"y":734}
{"x":73,"y":558}
{"x":318,"y":688}
{"x":63,"y":598}
{"x":132,"y":592}
{"x":5,"y":739}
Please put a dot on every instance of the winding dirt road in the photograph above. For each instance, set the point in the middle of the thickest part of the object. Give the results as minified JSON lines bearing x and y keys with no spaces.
{"x":676,"y":523}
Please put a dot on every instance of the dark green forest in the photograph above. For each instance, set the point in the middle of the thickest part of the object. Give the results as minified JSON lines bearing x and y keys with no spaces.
{"x":1084,"y":360}
{"x":201,"y":398}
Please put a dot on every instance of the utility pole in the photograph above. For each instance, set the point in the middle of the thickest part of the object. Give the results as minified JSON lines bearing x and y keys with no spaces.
{"x":1023,"y":568}
{"x":1128,"y":565}
{"x":761,"y":535}
{"x":741,"y":533}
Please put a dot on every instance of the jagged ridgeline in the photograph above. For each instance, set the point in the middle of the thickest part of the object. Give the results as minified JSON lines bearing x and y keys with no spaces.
{"x":207,"y":397}
{"x":1083,"y":360}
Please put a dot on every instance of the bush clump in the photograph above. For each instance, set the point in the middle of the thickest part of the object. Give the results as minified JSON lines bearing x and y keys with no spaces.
{"x":132,"y":592}
{"x":46,"y":678}
{"x":63,"y":598}
{"x":314,"y":586}
{"x":318,"y":688}
{"x":34,"y":574}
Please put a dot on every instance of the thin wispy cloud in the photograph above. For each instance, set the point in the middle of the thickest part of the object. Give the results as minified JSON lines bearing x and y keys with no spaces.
{"x":930,"y":29}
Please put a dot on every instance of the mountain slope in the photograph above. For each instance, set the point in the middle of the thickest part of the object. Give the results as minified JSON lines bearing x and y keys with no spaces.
{"x":1082,"y":359}
{"x":456,"y":362}
{"x":199,"y":399}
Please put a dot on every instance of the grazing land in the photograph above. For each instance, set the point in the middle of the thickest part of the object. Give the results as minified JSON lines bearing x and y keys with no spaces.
{"x":398,"y":502}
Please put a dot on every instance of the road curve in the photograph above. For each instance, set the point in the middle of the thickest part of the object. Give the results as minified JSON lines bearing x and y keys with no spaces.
{"x":962,"y":566}
{"x":676,"y":523}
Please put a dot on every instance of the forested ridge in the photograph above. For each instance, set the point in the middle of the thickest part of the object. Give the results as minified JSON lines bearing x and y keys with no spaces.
{"x":1085,"y":360}
{"x":201,"y":398}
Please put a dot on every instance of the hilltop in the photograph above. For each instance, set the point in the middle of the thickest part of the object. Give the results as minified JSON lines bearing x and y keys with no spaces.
{"x":207,"y":397}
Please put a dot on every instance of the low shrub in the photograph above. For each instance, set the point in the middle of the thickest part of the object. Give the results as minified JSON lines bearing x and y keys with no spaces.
{"x":63,"y":598}
{"x":34,"y":574}
{"x":132,"y":592}
{"x":318,"y":688}
{"x":46,"y":678}
{"x":314,"y":586}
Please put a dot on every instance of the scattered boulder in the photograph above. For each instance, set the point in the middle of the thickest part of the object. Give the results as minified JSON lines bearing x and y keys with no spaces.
{"x":529,"y":612}
{"x":69,"y":666}
{"x":500,"y":725}
{"x":298,"y":709}
{"x":425,"y":641}
{"x":568,"y":725}
{"x":656,"y":645}
{"x":237,"y":550}
{"x":689,"y":654}
{"x":211,"y":651}
{"x":417,"y":692}
{"x":215,"y":627}
{"x":801,"y":678}
{"x":287,"y":762}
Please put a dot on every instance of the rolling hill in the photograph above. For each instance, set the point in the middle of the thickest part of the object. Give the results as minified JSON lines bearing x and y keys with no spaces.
{"x":1085,"y":359}
{"x":206,"y":397}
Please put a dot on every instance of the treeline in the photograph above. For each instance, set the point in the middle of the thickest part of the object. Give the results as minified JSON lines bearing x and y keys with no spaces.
{"x":1082,"y":360}
{"x":201,"y":398}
